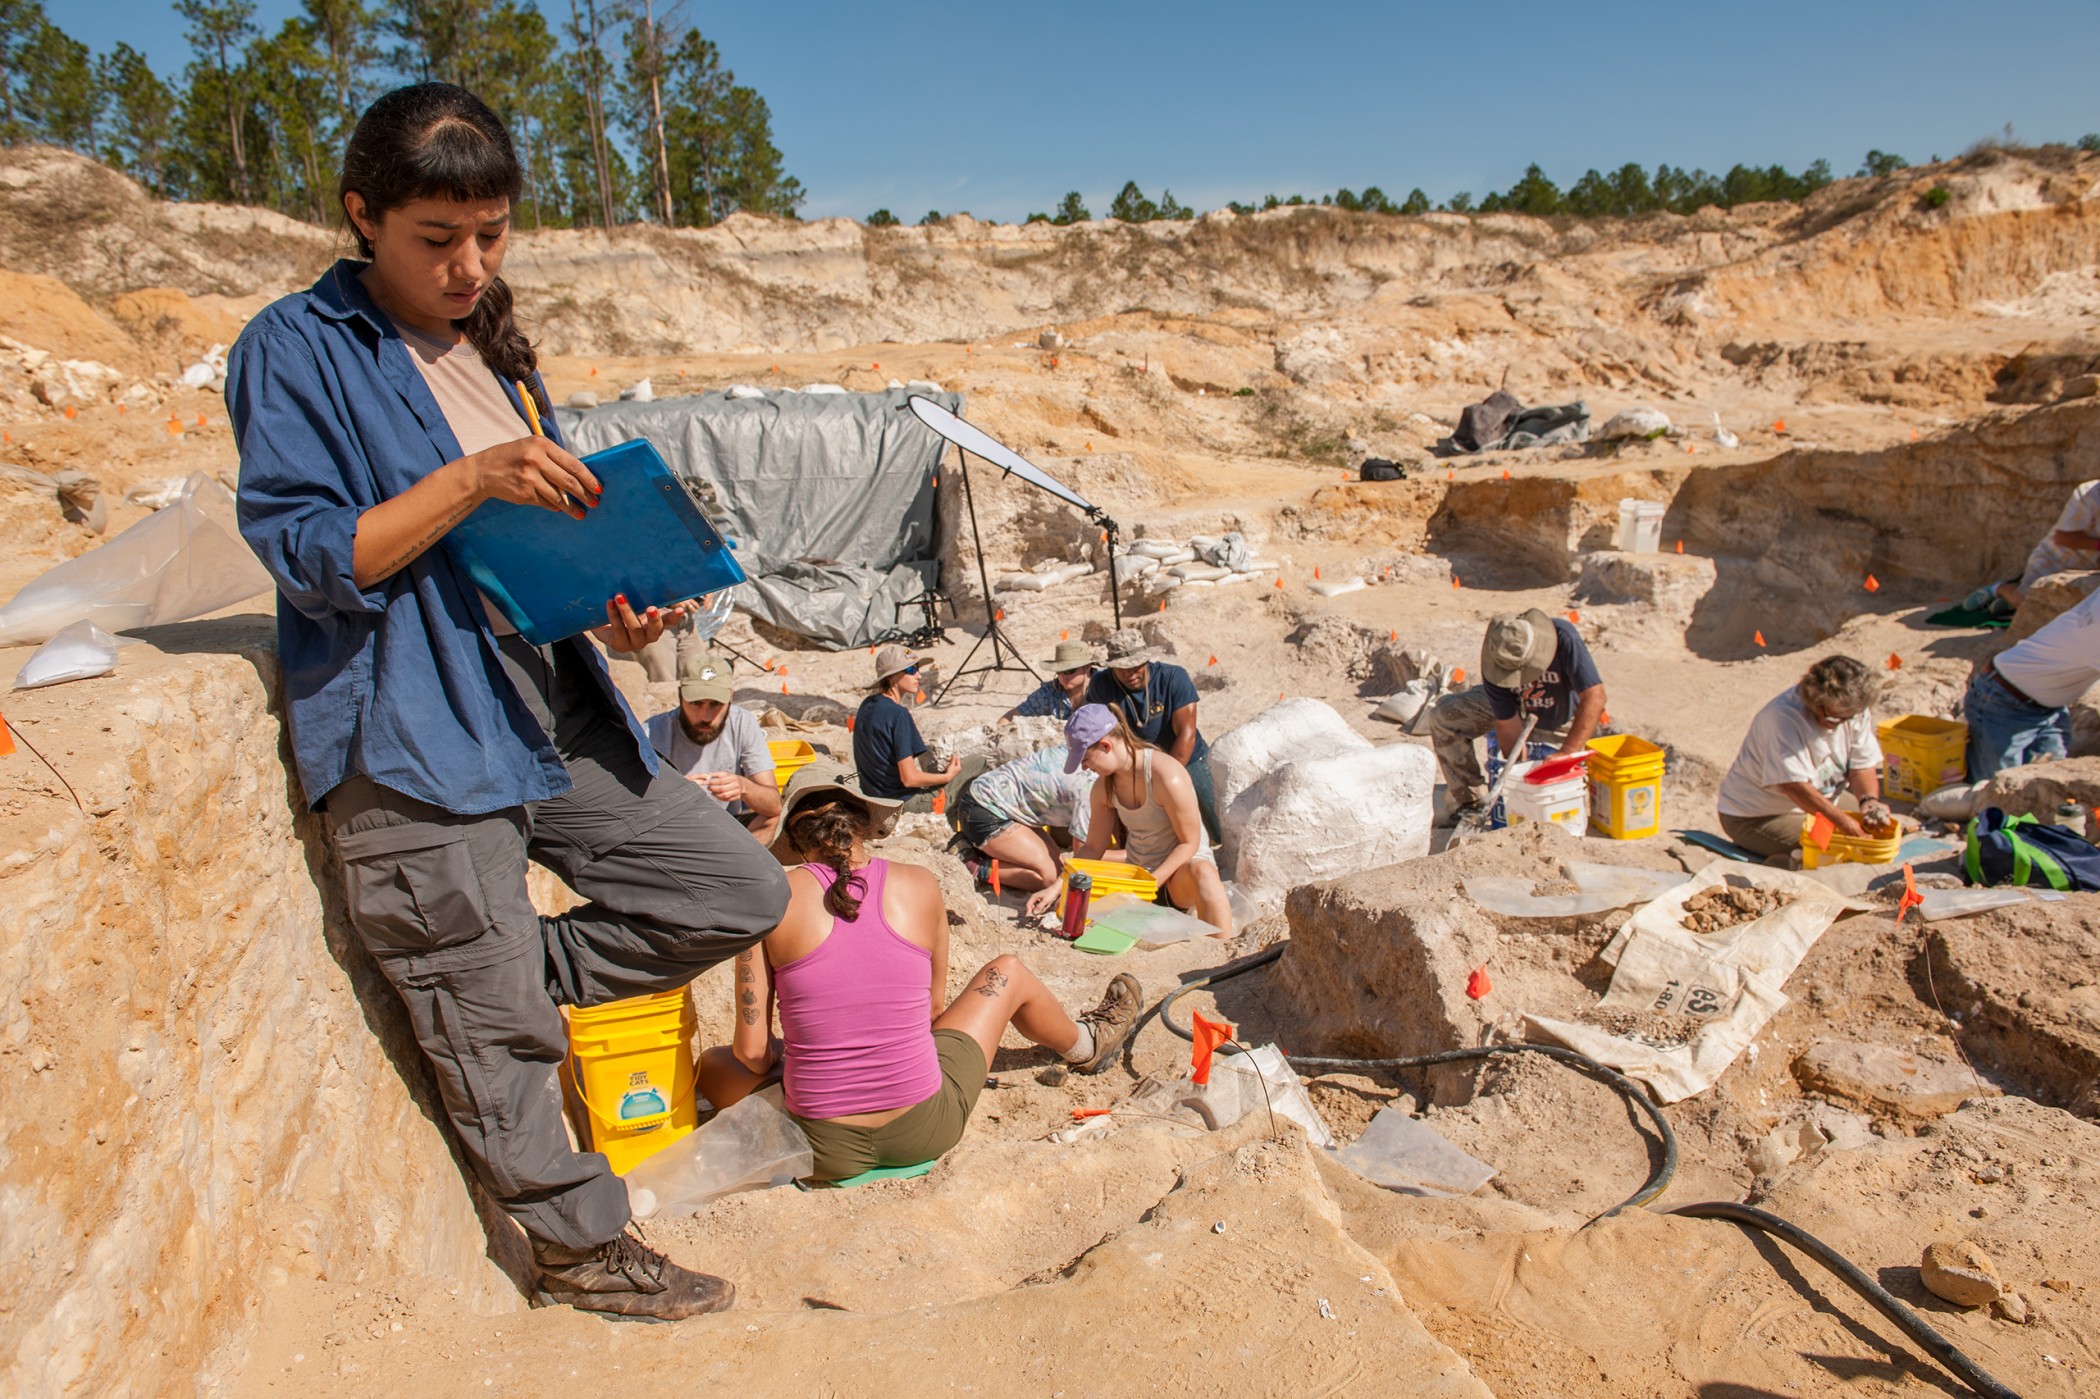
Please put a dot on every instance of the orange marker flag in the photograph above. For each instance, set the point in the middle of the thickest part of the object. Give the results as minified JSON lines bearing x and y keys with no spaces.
{"x":1316,"y":570}
{"x":1758,"y":637}
{"x":1208,"y":1035}
{"x":200,"y":419}
{"x":1090,"y":446}
{"x":1575,"y":617}
{"x":1913,"y":434}
{"x":1454,"y":580}
{"x":996,"y":891}
{"x":1505,"y":473}
{"x":1680,"y":546}
{"x":1450,"y":475}
{"x":1392,"y":633}
{"x":849,"y":723}
{"x":1910,"y":898}
{"x":594,"y":371}
{"x":936,"y":481}
{"x":1458,"y":676}
{"x":1081,"y":1114}
{"x":1477,"y":983}
{"x":1779,"y":426}
{"x":940,"y":801}
{"x":783,"y":687}
{"x":72,"y":412}
{"x":1162,"y":604}
{"x":1279,"y":582}
{"x":874,"y":366}
{"x":7,"y":740}
{"x":1895,"y":661}
{"x":120,"y":410}
{"x":999,"y":615}
{"x":1213,"y":660}
{"x":1873,"y":584}
{"x":1820,"y":830}
{"x":1065,"y":635}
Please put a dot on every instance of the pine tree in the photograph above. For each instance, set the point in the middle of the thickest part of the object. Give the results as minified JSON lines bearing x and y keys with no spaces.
{"x":1131,"y":206}
{"x":57,"y":90}
{"x":141,"y":124}
{"x":1415,"y":203}
{"x":1070,"y":210}
{"x":218,"y":30}
{"x":719,"y":141}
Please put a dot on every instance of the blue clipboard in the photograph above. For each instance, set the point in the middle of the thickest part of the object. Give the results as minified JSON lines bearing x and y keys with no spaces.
{"x":551,"y":575}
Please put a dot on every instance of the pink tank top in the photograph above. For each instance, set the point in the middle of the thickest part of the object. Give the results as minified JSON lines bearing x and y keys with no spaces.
{"x":856,"y":1015}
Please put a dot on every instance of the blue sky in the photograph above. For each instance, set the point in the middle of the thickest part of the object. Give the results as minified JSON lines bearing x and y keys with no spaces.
{"x":1001,"y":108}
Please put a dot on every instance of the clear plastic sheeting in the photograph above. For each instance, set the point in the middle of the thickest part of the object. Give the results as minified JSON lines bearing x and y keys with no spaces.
{"x":1967,"y":903}
{"x":1153,"y":925}
{"x":80,"y":652}
{"x":1407,"y":1155}
{"x":1599,"y":889}
{"x":179,"y":563}
{"x":750,"y":1145}
{"x":1260,"y":1081}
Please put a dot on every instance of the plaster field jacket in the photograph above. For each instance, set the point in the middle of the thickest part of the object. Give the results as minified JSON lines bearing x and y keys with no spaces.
{"x":401,"y":681}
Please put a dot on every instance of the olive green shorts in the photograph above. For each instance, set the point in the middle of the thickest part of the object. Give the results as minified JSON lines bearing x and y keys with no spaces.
{"x":926,"y":1131}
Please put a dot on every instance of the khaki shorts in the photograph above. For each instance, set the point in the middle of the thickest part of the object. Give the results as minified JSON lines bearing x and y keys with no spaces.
{"x":924,"y":1132}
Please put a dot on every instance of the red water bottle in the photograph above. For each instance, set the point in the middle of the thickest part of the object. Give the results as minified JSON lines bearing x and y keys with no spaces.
{"x":1079,"y":891}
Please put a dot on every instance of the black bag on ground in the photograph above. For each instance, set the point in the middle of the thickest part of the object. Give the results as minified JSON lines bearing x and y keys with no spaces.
{"x":2021,"y":850}
{"x":1379,"y":469}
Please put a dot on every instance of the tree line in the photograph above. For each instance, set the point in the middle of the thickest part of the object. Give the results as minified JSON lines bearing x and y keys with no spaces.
{"x":619,"y":114}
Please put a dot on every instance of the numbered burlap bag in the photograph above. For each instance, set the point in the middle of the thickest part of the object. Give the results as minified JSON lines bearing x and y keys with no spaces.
{"x":1696,"y":999}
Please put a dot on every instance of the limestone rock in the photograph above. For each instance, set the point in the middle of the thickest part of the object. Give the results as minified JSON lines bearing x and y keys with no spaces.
{"x":2022,"y":980}
{"x":2079,"y":386}
{"x":1671,"y":582}
{"x":2047,"y":600}
{"x":2012,"y":1307}
{"x":1960,"y":1273}
{"x":1886,"y":1081}
{"x":2039,"y":788}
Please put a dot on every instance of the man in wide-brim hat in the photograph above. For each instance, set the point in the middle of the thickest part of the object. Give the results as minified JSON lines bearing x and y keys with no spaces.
{"x":1158,"y":701}
{"x":1071,"y":666}
{"x":1530,"y":663}
{"x":886,"y":742}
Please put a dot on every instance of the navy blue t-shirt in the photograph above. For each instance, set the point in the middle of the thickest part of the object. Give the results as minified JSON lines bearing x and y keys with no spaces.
{"x":883,"y":736}
{"x":1552,"y":698}
{"x":1150,"y":711}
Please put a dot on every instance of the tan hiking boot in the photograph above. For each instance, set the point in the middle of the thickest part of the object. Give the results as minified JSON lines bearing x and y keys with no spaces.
{"x":1112,"y":1021}
{"x":626,"y":1277}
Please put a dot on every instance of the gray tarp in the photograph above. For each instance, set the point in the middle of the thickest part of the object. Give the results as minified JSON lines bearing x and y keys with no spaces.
{"x":828,"y":497}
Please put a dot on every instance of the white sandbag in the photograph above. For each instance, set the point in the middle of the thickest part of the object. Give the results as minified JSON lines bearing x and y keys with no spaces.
{"x":1131,"y":566}
{"x":749,"y":1145}
{"x":80,"y":652}
{"x":1284,"y":732}
{"x":1183,"y":555}
{"x":1259,"y":566}
{"x":1634,"y":422}
{"x":825,"y":388}
{"x":1229,"y":579}
{"x":641,"y":391}
{"x":1198,"y":572}
{"x":1338,"y":587}
{"x":179,"y":563}
{"x":1727,"y":983}
{"x":1024,"y":582}
{"x":1163,"y":583}
{"x":743,"y":391}
{"x":1322,"y":817}
{"x":1156,"y":548}
{"x":160,"y":494}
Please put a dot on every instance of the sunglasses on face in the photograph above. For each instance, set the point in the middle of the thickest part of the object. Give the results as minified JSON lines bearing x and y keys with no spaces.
{"x":1075,"y":670}
{"x":909,"y":670}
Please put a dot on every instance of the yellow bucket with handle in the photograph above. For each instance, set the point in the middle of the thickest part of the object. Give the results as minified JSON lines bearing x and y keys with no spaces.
{"x":632,"y":1063}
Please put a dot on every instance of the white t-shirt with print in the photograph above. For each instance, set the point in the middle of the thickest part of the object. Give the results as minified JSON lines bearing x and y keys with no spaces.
{"x":1785,"y":744}
{"x":2081,"y":516}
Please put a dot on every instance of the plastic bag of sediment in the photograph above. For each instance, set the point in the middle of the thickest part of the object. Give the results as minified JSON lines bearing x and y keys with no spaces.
{"x":79,"y":652}
{"x":1260,"y":1081}
{"x":750,"y":1145}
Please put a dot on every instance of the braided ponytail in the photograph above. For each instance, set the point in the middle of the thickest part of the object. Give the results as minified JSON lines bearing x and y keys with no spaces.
{"x":825,"y":834}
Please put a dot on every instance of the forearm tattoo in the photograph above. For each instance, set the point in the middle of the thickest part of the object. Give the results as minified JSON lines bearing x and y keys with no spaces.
{"x":422,"y":546}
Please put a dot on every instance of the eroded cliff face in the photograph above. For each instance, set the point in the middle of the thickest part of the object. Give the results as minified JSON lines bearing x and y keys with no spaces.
{"x":204,"y":1089}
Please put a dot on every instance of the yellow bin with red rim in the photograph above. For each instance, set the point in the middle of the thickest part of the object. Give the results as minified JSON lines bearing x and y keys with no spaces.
{"x":632,"y":1063}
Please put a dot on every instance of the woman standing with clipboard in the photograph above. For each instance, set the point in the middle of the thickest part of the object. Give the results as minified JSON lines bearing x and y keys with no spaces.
{"x":374,"y":412}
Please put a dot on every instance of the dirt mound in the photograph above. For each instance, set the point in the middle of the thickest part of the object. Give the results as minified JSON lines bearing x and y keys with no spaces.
{"x":46,"y":314}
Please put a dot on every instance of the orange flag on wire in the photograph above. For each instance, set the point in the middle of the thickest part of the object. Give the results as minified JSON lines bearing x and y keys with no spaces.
{"x":7,"y":740}
{"x":1873,"y":584}
{"x":995,"y":879}
{"x":1458,"y":676}
{"x":1477,"y":983}
{"x":1911,"y":897}
{"x":1213,"y":660}
{"x":940,"y":801}
{"x":1758,"y":637}
{"x":1895,"y":661}
{"x":1208,"y":1035}
{"x":1680,"y":546}
{"x":1820,"y":830}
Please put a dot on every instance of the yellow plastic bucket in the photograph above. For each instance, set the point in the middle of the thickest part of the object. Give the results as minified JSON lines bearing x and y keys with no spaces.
{"x":1110,"y":877}
{"x":790,"y":756}
{"x":1920,"y":754}
{"x":1848,"y":850}
{"x":1625,"y":787}
{"x":632,"y":1062}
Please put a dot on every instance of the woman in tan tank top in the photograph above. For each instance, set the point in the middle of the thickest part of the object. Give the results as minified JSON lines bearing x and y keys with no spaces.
{"x":1147,"y":798}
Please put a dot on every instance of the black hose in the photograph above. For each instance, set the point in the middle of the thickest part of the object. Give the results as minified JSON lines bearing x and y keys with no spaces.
{"x":1912,"y":1325}
{"x":1658,"y":1179}
{"x":1908,"y":1321}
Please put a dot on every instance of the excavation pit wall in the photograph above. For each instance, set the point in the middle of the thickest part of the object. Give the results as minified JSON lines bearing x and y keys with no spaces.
{"x":1793,"y":537}
{"x":207,"y":1088}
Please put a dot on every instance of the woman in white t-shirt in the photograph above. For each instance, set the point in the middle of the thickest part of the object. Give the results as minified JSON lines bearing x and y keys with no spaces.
{"x":1804,"y":748}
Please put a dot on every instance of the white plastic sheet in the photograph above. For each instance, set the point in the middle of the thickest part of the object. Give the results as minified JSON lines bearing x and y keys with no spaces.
{"x":80,"y":652}
{"x":1260,"y":1081}
{"x":750,"y":1145}
{"x":1404,"y":1154}
{"x":179,"y":563}
{"x":1599,"y":888}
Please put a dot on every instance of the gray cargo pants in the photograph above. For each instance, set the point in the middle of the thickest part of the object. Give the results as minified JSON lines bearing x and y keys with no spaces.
{"x":1456,"y":722}
{"x":675,"y":885}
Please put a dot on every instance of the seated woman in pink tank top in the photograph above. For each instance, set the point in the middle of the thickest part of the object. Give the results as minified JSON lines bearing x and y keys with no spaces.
{"x":879,"y":1067}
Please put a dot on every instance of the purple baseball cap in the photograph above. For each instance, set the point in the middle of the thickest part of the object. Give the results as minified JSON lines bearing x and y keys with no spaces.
{"x":1089,"y":724}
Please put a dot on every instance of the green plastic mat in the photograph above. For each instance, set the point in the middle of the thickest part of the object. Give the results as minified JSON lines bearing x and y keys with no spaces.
{"x":1104,"y":941}
{"x":883,"y":1173}
{"x":1959,"y":616}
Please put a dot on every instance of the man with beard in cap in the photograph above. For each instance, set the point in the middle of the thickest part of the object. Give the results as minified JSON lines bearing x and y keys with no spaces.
{"x":1158,"y":700}
{"x":717,"y":745}
{"x":1530,"y":664}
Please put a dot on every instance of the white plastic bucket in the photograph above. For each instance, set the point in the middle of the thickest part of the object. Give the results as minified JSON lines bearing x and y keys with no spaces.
{"x":1564,"y":803}
{"x":1640,"y":526}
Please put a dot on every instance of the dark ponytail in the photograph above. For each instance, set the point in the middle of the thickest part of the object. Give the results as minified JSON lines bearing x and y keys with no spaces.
{"x":825,"y":834}
{"x":438,"y":141}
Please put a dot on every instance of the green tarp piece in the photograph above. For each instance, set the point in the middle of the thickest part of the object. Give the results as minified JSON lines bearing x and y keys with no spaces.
{"x":1959,"y":616}
{"x":883,"y":1173}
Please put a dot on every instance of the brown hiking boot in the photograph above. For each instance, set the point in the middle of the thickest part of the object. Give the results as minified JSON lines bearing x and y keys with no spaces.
{"x":626,"y":1278}
{"x":1112,"y":1021}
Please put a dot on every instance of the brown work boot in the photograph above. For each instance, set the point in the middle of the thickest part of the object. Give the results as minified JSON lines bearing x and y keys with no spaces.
{"x":626,"y":1278}
{"x":1112,"y":1021}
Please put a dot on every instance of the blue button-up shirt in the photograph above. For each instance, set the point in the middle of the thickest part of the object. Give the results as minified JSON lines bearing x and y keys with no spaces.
{"x":399,"y":682}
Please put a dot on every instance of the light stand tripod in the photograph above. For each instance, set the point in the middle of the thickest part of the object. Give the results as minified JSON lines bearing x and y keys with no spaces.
{"x":1002,"y":644}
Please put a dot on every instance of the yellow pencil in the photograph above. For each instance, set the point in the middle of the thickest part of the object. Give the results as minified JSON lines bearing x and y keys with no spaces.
{"x":532,"y":412}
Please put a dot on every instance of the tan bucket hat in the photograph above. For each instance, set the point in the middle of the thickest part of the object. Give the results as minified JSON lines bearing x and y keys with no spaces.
{"x":826,"y":775}
{"x":892,"y":659}
{"x":1518,"y":649}
{"x":1070,"y":655}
